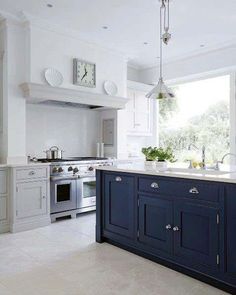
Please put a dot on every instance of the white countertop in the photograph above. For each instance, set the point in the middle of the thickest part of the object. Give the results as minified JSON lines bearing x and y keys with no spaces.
{"x":29,"y":165}
{"x":226,"y":174}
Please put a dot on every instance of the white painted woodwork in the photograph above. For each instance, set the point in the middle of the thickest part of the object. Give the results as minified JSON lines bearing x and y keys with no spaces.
{"x":138,"y":113}
{"x":31,"y":199}
{"x":36,"y":93}
{"x":3,"y":209}
{"x":34,"y":173}
{"x":3,"y":182}
{"x":4,"y":201}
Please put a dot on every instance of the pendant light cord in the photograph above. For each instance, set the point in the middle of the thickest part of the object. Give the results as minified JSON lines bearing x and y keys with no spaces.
{"x":166,"y":17}
{"x":165,"y":22}
{"x":162,"y":6}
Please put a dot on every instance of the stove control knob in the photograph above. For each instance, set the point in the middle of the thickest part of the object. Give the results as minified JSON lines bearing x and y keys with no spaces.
{"x":75,"y":170}
{"x":90,"y":168}
{"x":54,"y":169}
{"x":60,"y":169}
{"x":70,"y":169}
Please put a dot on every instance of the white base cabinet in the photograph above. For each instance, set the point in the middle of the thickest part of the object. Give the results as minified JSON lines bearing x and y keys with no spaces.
{"x":30,"y":198}
{"x":4,"y":201}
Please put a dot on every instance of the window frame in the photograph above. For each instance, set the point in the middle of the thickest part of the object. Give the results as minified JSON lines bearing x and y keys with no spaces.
{"x":232,"y":102}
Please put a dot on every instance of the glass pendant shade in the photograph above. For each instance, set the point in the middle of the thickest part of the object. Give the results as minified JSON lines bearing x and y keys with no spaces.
{"x":160,"y":91}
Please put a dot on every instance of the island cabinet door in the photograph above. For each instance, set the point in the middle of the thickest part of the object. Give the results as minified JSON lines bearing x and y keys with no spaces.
{"x":119,"y":205}
{"x":231,"y":229}
{"x":155,"y":223}
{"x":196,"y":234}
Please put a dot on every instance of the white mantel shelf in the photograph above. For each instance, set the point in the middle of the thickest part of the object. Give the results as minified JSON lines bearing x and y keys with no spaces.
{"x":38,"y":93}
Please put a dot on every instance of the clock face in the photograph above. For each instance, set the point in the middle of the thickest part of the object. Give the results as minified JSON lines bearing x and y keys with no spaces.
{"x":84,"y":73}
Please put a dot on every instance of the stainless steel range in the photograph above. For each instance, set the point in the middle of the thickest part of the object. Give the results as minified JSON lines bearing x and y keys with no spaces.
{"x":73,"y":185}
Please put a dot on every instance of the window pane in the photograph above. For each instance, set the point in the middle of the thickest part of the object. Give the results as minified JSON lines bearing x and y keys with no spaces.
{"x":198,"y":116}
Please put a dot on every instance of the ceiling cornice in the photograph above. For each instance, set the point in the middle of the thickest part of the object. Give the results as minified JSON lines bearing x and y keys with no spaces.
{"x":197,"y":53}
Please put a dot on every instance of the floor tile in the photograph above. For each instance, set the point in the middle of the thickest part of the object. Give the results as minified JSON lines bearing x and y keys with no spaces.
{"x":64,"y":259}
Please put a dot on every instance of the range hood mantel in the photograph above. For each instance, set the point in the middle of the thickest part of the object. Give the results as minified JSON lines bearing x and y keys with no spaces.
{"x":39,"y":93}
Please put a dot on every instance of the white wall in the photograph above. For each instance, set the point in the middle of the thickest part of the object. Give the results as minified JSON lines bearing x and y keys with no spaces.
{"x":57,"y":50}
{"x":217,"y":60}
{"x":2,"y":49}
{"x":133,"y":74}
{"x":30,"y":49}
{"x":76,"y":131}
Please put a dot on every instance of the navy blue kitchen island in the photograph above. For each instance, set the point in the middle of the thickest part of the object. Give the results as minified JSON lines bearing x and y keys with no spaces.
{"x":186,"y":224}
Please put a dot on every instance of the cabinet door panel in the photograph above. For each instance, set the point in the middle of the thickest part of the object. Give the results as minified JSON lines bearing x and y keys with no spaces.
{"x":142,"y":122}
{"x":31,"y":199}
{"x":131,"y":103}
{"x":119,"y":204}
{"x":3,"y":182}
{"x":154,"y":215}
{"x":3,"y":208}
{"x":131,"y":121}
{"x":231,"y":229}
{"x":142,"y":103}
{"x":197,"y":240}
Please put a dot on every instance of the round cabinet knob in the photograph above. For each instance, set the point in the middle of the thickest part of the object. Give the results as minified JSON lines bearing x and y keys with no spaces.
{"x":154,"y":185}
{"x":176,"y":228}
{"x":90,"y":168}
{"x":54,"y":169}
{"x":75,"y":170}
{"x":70,"y":169}
{"x":60,"y":169}
{"x":168,"y":227}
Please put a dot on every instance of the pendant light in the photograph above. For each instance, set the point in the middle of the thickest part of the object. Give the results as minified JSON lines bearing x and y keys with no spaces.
{"x":161,"y":91}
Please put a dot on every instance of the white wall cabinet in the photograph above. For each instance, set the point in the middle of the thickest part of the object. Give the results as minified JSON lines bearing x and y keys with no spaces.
{"x":30,"y":197}
{"x":138,"y":113}
{"x":4,"y":201}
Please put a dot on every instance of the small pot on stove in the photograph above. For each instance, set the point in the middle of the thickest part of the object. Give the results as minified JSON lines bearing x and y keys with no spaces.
{"x":54,"y":153}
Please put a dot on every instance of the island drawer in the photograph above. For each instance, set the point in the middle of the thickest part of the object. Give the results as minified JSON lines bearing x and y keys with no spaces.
{"x":199,"y":190}
{"x":26,"y":174}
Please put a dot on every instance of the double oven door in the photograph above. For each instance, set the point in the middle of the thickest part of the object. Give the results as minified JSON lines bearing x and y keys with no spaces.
{"x":86,"y":192}
{"x":63,"y":195}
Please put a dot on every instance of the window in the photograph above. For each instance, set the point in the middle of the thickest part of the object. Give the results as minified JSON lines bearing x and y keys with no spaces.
{"x":199,"y":115}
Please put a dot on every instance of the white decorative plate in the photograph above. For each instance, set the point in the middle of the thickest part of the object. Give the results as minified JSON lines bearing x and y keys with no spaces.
{"x":53,"y":77}
{"x":110,"y":88}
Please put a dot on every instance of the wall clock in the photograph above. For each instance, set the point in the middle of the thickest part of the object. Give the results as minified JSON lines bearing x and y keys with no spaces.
{"x":84,"y":73}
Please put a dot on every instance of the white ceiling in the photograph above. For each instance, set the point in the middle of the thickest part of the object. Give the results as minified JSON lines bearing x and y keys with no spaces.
{"x":133,"y":22}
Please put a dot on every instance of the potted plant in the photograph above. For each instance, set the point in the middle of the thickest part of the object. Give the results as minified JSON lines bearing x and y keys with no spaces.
{"x":158,"y":157}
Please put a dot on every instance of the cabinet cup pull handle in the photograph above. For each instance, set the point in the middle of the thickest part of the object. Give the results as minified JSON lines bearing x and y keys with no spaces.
{"x":168,"y":227}
{"x":31,"y":172}
{"x":154,"y":185}
{"x":176,"y":228}
{"x":118,"y":178}
{"x":194,"y":190}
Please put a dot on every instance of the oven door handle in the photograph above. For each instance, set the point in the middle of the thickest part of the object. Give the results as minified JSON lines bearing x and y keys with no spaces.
{"x":87,"y":178}
{"x":55,"y":178}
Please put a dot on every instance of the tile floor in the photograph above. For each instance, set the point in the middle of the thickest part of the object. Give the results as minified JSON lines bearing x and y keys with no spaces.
{"x":63,"y":259}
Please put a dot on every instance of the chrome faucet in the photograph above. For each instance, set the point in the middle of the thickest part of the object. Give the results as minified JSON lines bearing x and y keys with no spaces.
{"x":203,"y":155}
{"x":222,"y":160}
